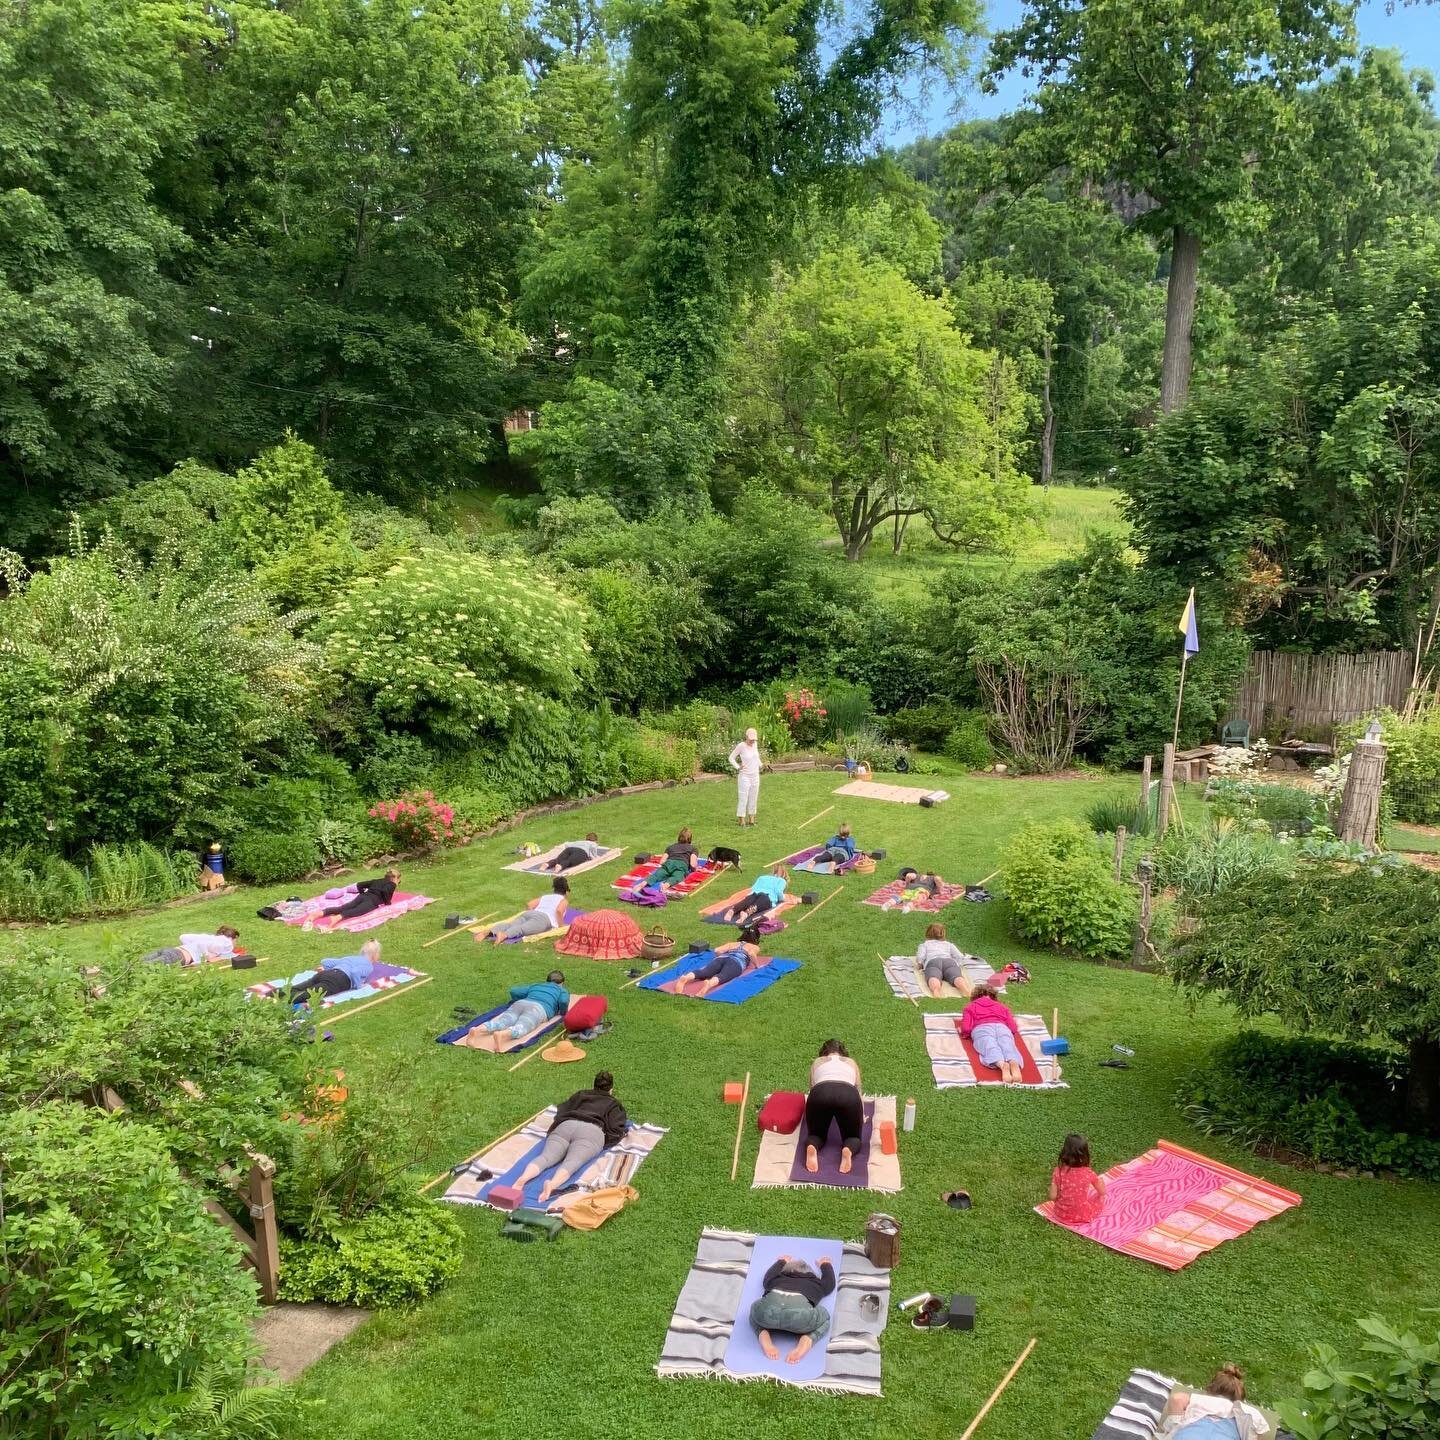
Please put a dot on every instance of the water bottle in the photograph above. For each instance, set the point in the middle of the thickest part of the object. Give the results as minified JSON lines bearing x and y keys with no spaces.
{"x":1122,"y":1049}
{"x":910,"y":1113}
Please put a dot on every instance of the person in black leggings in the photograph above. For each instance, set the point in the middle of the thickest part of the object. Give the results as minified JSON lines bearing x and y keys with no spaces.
{"x":727,"y":964}
{"x":834,"y":1099}
{"x":370,"y":895}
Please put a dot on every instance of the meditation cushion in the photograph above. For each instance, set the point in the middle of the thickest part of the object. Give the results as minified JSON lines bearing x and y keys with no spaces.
{"x":782,"y":1112}
{"x":585,"y":1012}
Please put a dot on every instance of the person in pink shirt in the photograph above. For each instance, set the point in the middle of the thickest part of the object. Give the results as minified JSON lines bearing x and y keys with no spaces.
{"x":990,"y":1027}
{"x":1076,"y":1191}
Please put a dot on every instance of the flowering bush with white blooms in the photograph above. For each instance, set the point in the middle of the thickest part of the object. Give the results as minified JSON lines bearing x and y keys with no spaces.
{"x":456,"y":644}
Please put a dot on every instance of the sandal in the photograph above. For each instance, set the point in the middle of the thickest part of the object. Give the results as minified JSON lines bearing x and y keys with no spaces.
{"x":957,"y":1199}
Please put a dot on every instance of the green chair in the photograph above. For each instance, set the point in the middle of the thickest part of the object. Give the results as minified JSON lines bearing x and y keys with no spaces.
{"x":1236,"y":732}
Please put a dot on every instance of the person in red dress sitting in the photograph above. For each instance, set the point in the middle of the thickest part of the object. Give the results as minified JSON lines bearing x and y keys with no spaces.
{"x":1076,"y":1191}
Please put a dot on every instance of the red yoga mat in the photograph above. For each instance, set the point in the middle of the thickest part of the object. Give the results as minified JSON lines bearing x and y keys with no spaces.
{"x":1029,"y":1071}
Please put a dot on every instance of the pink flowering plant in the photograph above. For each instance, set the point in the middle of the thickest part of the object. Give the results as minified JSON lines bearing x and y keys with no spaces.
{"x":418,"y":821}
{"x":803,"y":713}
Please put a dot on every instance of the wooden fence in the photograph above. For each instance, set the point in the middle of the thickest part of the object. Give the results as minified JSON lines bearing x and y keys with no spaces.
{"x":1310,"y":695}
{"x":260,"y":1250}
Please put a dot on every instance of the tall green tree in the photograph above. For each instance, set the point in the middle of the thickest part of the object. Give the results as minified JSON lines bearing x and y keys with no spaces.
{"x":1180,"y":102}
{"x":860,"y":395}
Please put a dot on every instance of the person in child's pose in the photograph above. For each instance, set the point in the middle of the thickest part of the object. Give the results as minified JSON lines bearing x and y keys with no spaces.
{"x":839,"y":848}
{"x":1077,"y":1192}
{"x":942,"y":962}
{"x":990,"y":1026}
{"x":1220,"y":1413}
{"x":576,"y":852}
{"x":766,"y":892}
{"x":790,"y":1303}
{"x":728,"y":963}
{"x":544,"y":912}
{"x":680,"y":859}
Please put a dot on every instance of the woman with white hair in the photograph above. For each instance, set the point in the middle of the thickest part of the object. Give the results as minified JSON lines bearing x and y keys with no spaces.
{"x":335,"y":977}
{"x":745,"y":762}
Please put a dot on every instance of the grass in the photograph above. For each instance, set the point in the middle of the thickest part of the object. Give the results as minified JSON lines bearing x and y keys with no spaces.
{"x":547,"y":1341}
{"x":1414,"y":839}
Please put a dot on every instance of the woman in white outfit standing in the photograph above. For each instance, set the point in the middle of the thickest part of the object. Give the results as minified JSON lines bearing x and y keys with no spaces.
{"x":745,"y":762}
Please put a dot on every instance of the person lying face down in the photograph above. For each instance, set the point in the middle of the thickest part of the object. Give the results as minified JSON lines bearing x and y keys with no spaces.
{"x":990,"y":1026}
{"x":576,"y":852}
{"x":335,"y":977}
{"x":1219,"y":1413}
{"x":766,"y":893}
{"x":790,"y":1303}
{"x":942,"y":963}
{"x":530,"y":1007}
{"x":839,"y":848}
{"x":588,"y":1122}
{"x":545,"y":912}
{"x":728,"y":963}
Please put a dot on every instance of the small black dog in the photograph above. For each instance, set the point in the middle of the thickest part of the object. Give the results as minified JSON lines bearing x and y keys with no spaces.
{"x":724,"y":855}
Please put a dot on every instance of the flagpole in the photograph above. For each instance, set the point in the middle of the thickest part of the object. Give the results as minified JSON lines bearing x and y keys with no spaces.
{"x":1180,"y":700}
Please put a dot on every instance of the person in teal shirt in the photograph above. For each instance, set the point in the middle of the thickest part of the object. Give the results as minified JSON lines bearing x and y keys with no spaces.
{"x":766,"y":892}
{"x":529,"y":1008}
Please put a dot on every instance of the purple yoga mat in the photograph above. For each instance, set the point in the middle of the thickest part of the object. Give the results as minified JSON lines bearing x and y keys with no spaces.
{"x":829,"y":1157}
{"x":743,"y":1355}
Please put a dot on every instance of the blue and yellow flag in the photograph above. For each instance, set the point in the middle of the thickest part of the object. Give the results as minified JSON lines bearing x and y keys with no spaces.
{"x":1187,"y":626}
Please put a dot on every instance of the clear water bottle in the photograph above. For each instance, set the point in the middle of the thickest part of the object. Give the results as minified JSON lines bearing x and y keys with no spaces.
{"x":910,"y":1113}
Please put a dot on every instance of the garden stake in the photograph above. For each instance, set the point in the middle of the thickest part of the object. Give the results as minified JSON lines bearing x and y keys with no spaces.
{"x":740,"y":1127}
{"x":998,"y":1391}
{"x":814,"y":818}
{"x":379,"y":999}
{"x":445,"y":1174}
{"x":1055,"y":1023}
{"x":459,"y":930}
{"x":821,"y":905}
{"x":987,"y":879}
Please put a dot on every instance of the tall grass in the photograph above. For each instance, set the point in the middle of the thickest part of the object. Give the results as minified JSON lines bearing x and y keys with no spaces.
{"x":38,"y":884}
{"x":1211,"y":858}
{"x":1107,"y":815}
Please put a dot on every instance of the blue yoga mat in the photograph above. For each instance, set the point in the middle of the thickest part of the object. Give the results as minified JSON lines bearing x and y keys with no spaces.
{"x":736,"y":992}
{"x":743,"y":1355}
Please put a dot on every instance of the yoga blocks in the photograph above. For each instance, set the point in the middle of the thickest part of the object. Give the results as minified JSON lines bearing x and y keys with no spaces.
{"x":1058,"y":1046}
{"x":961,"y":1314}
{"x":504,"y":1197}
{"x":889,"y":1145}
{"x":734,"y":1090}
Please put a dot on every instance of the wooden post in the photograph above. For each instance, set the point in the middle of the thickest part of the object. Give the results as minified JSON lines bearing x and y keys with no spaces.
{"x":1145,"y":874}
{"x":1360,"y":804}
{"x":267,"y":1233}
{"x":1145,"y":785}
{"x":1119,"y":850}
{"x":1167,"y":791}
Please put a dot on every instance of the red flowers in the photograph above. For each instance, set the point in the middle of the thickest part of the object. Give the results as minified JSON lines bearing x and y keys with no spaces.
{"x":418,"y":821}
{"x":804,"y":715}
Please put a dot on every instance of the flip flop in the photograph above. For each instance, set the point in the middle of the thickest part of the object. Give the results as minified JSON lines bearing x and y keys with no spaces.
{"x":957,"y":1199}
{"x":1114,"y":1064}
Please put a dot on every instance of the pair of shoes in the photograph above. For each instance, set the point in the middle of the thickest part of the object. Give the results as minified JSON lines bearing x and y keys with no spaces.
{"x":1114,"y":1064}
{"x":928,"y":1316}
{"x":957,"y":1199}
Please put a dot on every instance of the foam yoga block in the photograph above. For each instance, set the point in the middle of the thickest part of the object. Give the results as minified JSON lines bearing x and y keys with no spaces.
{"x":961,"y":1315}
{"x":733,"y":1091}
{"x":1058,"y":1046}
{"x":888,"y":1143}
{"x":505,"y":1197}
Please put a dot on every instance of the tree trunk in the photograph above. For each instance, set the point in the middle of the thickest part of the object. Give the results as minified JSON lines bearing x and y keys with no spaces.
{"x":1047,"y":433}
{"x":1422,"y":1086}
{"x":1179,"y":318}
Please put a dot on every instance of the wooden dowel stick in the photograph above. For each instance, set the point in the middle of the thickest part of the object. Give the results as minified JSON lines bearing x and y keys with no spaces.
{"x":740,"y":1128}
{"x":445,"y":1174}
{"x":821,"y":905}
{"x":348,"y":1011}
{"x":814,"y":818}
{"x":460,"y":930}
{"x":548,"y":1045}
{"x":987,"y":879}
{"x":910,"y":998}
{"x":998,"y":1391}
{"x":1055,"y":1023}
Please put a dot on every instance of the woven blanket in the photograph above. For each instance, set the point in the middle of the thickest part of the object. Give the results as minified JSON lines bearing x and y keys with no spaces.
{"x":760,"y":976}
{"x":636,"y":876}
{"x":538,"y":864}
{"x":308,"y":911}
{"x":905,"y":977}
{"x":768,"y":924}
{"x":508,"y":1157}
{"x":383,"y":979}
{"x":467,"y":1035}
{"x":805,"y":860}
{"x":781,"y":1161}
{"x":896,"y":794}
{"x":710,"y":1334}
{"x":1171,"y":1205}
{"x":897,"y":895}
{"x":955,"y":1065}
{"x":1137,"y":1414}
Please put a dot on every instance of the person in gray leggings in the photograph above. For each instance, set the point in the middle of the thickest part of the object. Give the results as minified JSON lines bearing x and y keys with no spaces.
{"x":587,"y":1123}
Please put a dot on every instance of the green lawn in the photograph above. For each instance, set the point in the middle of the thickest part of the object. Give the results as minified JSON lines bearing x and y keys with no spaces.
{"x":552,"y":1341}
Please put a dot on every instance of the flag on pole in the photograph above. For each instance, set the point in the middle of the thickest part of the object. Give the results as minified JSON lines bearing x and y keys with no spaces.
{"x":1187,"y":627}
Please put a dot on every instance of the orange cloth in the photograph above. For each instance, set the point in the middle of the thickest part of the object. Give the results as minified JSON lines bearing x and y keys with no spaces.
{"x":591,"y":1211}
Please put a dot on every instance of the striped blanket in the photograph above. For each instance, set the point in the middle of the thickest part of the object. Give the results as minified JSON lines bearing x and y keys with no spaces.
{"x":506,"y":1158}
{"x":760,"y":976}
{"x":383,"y":979}
{"x":955,"y":1065}
{"x":1171,"y":1205}
{"x":805,"y":860}
{"x":898,"y":895}
{"x":768,"y":923}
{"x":1136,"y":1415}
{"x":538,"y":864}
{"x":306,"y":914}
{"x":467,"y":1035}
{"x":905,"y":977}
{"x":781,"y":1161}
{"x":710,"y":1335}
{"x":697,"y":879}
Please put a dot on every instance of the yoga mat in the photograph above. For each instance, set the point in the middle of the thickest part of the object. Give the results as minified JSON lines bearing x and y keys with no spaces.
{"x":743,"y":1355}
{"x":458,"y":1034}
{"x":768,"y":924}
{"x":535,"y":864}
{"x":905,"y":977}
{"x":402,"y":904}
{"x":1029,"y":1072}
{"x":897,"y":794}
{"x":1136,"y":1414}
{"x":829,"y":1157}
{"x":804,"y":861}
{"x":383,"y":978}
{"x":697,"y":879}
{"x":953,"y":1065}
{"x":1171,"y":1205}
{"x":760,"y":977}
{"x":780,"y":1162}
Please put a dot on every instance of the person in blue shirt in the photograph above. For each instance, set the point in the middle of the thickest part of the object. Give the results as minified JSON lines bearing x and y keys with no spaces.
{"x":839,"y":848}
{"x":766,"y":892}
{"x":727,"y":964}
{"x":335,"y":977}
{"x":529,"y":1008}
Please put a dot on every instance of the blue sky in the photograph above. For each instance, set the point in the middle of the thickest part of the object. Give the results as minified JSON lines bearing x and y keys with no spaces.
{"x":1413,"y":30}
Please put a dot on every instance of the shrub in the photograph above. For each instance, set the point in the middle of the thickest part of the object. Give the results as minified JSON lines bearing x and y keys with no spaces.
{"x":804,"y":717}
{"x":38,"y":884}
{"x":1288,"y":808}
{"x":1412,"y":761}
{"x":968,"y":742}
{"x":1107,"y":815}
{"x":266,"y":857}
{"x":394,"y":762}
{"x":478,"y":809}
{"x":1318,"y":1099}
{"x":927,"y":726}
{"x":418,"y":821}
{"x":1212,"y":858}
{"x":646,"y":755}
{"x":1062,"y":892}
{"x":392,"y":1256}
{"x":347,"y":842}
{"x":1392,"y":1394}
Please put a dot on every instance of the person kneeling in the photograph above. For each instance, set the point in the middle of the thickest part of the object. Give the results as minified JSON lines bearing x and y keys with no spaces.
{"x":725,"y":965}
{"x":790,"y":1303}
